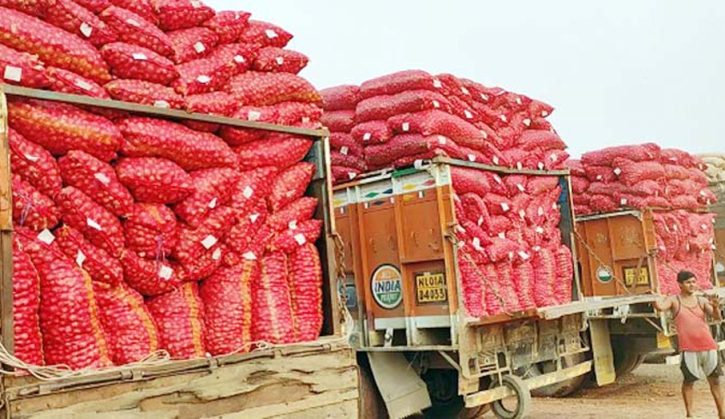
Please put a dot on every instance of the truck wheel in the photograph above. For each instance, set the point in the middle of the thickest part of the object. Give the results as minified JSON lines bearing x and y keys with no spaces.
{"x":446,"y":403}
{"x":563,"y":388}
{"x":625,"y":359}
{"x":503,"y":409}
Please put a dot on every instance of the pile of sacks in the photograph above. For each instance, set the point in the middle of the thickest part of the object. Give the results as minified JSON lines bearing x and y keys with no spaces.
{"x":510,"y":252}
{"x":638,"y":176}
{"x":715,"y":171}
{"x":412,"y":115}
{"x":135,"y":234}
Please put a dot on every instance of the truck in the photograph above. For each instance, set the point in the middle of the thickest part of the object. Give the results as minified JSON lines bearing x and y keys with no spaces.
{"x":311,"y":379}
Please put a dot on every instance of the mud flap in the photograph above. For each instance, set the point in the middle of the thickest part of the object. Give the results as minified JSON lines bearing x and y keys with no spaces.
{"x":602,"y":351}
{"x":402,"y":390}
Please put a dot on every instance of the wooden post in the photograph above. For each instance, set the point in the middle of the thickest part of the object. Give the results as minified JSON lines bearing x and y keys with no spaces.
{"x":6,"y":232}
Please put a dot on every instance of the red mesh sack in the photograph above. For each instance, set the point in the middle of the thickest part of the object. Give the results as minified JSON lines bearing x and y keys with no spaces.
{"x":401,"y":81}
{"x":469,"y":180}
{"x":541,"y":184}
{"x":600,"y":174}
{"x":707,"y":197}
{"x":682,"y":201}
{"x":251,"y":188}
{"x":192,"y":44}
{"x":475,"y":209}
{"x":675,"y":187}
{"x":227,"y":298}
{"x":339,"y":98}
{"x":151,"y":230}
{"x":344,"y":174}
{"x":345,"y":144}
{"x":582,"y":209}
{"x":59,"y":127}
{"x":544,"y":262}
{"x":576,"y":167}
{"x":474,"y":293}
{"x":181,"y":14}
{"x":290,"y":185}
{"x":292,"y":239}
{"x":205,"y":264}
{"x":142,"y":8}
{"x":564,"y":274}
{"x":34,"y":164}
{"x":339,"y":121}
{"x":438,"y":122}
{"x":52,"y":45}
{"x":78,"y":20}
{"x":154,"y":180}
{"x":204,"y":75}
{"x":97,"y":225}
{"x":294,"y":113}
{"x":404,"y":145}
{"x":250,"y":235}
{"x":540,"y":108}
{"x":515,"y":184}
{"x":97,"y":262}
{"x":339,"y":159}
{"x":149,"y":277}
{"x":134,"y":29}
{"x":607,"y":188}
{"x":279,"y":150}
{"x":228,"y":25}
{"x":493,"y":297}
{"x":95,"y":6}
{"x":212,"y":188}
{"x":579,"y":185}
{"x":264,"y":89}
{"x":497,"y":204}
{"x":130,"y":61}
{"x":384,"y":107}
{"x":475,"y":233}
{"x":69,"y":322}
{"x":29,"y":7}
{"x":545,"y":140}
{"x":239,"y":57}
{"x":26,"y":303}
{"x":523,"y":279}
{"x":65,"y":81}
{"x":635,"y":172}
{"x":305,"y":282}
{"x":501,"y":249}
{"x":272,"y":316}
{"x":504,"y":281}
{"x":679,"y":157}
{"x":606,"y":156}
{"x":31,"y":208}
{"x":371,"y":132}
{"x":179,"y":317}
{"x":129,"y":328}
{"x":195,"y":242}
{"x":278,"y":60}
{"x":22,"y":69}
{"x":96,"y":179}
{"x":553,"y":160}
{"x":238,"y":136}
{"x":145,"y":93}
{"x":291,"y":215}
{"x":189,"y":149}
{"x":215,"y":103}
{"x":265,"y":34}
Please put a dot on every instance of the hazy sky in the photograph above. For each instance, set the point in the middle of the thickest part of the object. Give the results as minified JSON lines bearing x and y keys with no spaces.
{"x":617,"y":71}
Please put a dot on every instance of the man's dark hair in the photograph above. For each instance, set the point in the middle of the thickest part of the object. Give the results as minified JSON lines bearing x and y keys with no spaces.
{"x":683,"y":276}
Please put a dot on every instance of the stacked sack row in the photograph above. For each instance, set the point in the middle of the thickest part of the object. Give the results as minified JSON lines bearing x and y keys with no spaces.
{"x":412,"y":115}
{"x":135,"y":234}
{"x":511,"y":256}
{"x":178,"y":54}
{"x":715,"y":172}
{"x":638,"y":176}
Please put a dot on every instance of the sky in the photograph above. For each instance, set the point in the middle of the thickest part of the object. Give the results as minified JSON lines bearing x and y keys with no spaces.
{"x":617,"y":71}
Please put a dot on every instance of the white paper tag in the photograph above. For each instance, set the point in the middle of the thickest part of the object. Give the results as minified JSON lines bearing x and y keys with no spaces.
{"x":406,"y":126}
{"x":468,"y":114}
{"x":498,"y":180}
{"x":460,"y":229}
{"x":503,"y":118}
{"x":212,"y":203}
{"x":13,"y":73}
{"x":476,"y":243}
{"x":522,"y":214}
{"x":133,"y":23}
{"x":83,"y":85}
{"x":484,"y":97}
{"x":523,"y":255}
{"x":344,"y":150}
{"x":253,"y":115}
{"x":483,"y":133}
{"x":271,"y":34}
{"x":495,"y":160}
{"x":436,"y":104}
{"x":437,"y":83}
{"x":203,"y":79}
{"x":367,"y":136}
{"x":46,"y":236}
{"x":599,"y":177}
{"x":292,"y":225}
{"x":249,"y":256}
{"x":465,"y":91}
{"x":519,"y":165}
{"x":102,"y":178}
{"x":702,"y":192}
{"x":540,"y":166}
{"x":300,"y":239}
{"x":305,"y":119}
{"x":617,"y":171}
{"x":279,"y":60}
{"x":623,"y":201}
{"x":195,"y":4}
{"x":165,"y":272}
{"x":239,"y":59}
{"x":505,"y":207}
{"x":441,"y":140}
{"x":32,"y":158}
{"x":537,"y":248}
{"x":471,"y":157}
{"x":247,"y":192}
{"x":520,"y":187}
{"x":527,"y":122}
{"x":554,"y":157}
{"x":93,"y":224}
{"x":217,"y":254}
{"x":253,"y":218}
{"x":209,"y":241}
{"x":86,"y":30}
{"x":502,"y":235}
{"x":199,"y":47}
{"x":162,"y":104}
{"x":518,"y":101}
{"x":539,"y":230}
{"x":139,"y":56}
{"x":80,"y":258}
{"x":544,"y":114}
{"x":540,"y":211}
{"x":418,"y":164}
{"x":480,"y":220}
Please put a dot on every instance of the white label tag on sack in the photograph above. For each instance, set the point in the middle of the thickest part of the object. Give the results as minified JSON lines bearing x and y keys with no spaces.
{"x":102,"y":178}
{"x":522,"y":214}
{"x":519,"y":165}
{"x":195,"y":4}
{"x":471,"y":157}
{"x":483,"y":133}
{"x":540,"y":211}
{"x":162,"y":104}
{"x":505,"y":207}
{"x":352,"y":175}
{"x":674,"y":227}
{"x":520,"y":187}
{"x":217,"y":254}
{"x":253,"y":115}
{"x":249,"y":256}
{"x":139,"y":56}
{"x":436,"y":104}
{"x":209,"y":241}
{"x":537,"y":248}
{"x":437,"y":83}
{"x":199,"y":47}
{"x":518,"y":101}
{"x":32,"y":158}
{"x":502,"y":235}
{"x":523,"y":255}
{"x":441,"y":140}
{"x":367,"y":136}
{"x":703,"y":193}
{"x":280,"y":60}
{"x":292,"y":225}
{"x":271,"y":34}
{"x":498,"y":180}
{"x":461,"y":244}
{"x":406,"y":126}
{"x":527,"y":122}
{"x":617,"y":171}
{"x":86,"y":30}
{"x":703,"y":226}
{"x":465,"y":91}
{"x":495,"y":160}
{"x":203,"y":79}
{"x":46,"y":236}
{"x":133,"y":23}
{"x":541,"y":166}
{"x":599,"y":177}
{"x":300,"y":239}
{"x":476,"y":243}
{"x":344,"y":150}
{"x":503,"y":118}
{"x":305,"y":119}
{"x":247,"y":192}
{"x":83,"y":85}
{"x":623,"y":201}
{"x":554,"y":207}
{"x":13,"y":73}
{"x":253,"y":218}
{"x":212,"y":203}
{"x":418,"y":164}
{"x":93,"y":224}
{"x":460,"y":229}
{"x":80,"y":258}
{"x":544,"y":114}
{"x":165,"y":272}
{"x":239,"y":59}
{"x":539,"y":230}
{"x":480,"y":220}
{"x":468,"y":114}
{"x":484,"y":97}
{"x":554,"y":157}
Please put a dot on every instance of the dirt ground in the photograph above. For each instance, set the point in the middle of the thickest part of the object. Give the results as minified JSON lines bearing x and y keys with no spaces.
{"x":650,"y":392}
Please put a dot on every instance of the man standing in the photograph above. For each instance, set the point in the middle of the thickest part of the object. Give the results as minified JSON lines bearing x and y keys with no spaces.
{"x":700,"y":358}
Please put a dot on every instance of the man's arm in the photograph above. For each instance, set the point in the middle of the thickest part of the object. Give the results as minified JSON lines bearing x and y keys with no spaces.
{"x":663,"y":304}
{"x":712,"y":307}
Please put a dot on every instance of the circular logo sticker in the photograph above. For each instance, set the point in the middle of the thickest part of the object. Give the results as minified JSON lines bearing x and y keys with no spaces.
{"x":387,"y":286}
{"x":604,"y":274}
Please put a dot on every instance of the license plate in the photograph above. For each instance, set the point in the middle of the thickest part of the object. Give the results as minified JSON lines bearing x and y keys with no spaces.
{"x":631,"y":275}
{"x":431,"y":288}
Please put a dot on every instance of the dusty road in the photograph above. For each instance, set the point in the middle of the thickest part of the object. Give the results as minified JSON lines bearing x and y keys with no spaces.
{"x":651,"y":392}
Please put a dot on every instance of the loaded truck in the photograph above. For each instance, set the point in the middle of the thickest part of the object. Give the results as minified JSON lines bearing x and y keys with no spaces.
{"x":310,"y":379}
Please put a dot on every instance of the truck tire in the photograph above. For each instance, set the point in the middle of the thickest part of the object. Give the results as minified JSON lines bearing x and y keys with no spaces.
{"x":523,"y":400}
{"x":564,"y":388}
{"x":446,"y":403}
{"x":625,"y":359}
